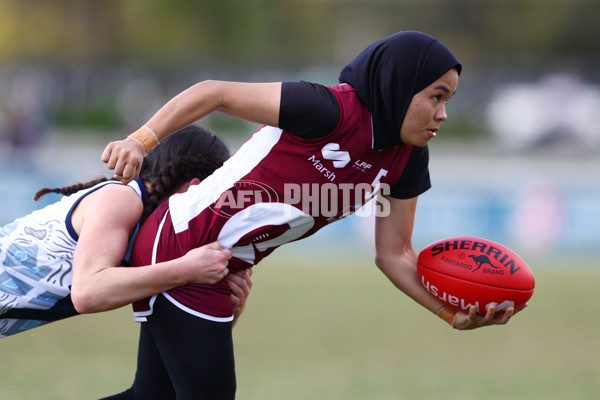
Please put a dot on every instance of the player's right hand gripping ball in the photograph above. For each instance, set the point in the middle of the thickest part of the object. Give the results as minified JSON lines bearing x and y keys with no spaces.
{"x":466,"y":271}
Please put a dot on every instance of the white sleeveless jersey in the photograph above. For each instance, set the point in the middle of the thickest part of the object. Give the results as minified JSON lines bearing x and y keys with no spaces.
{"x":36,"y":264}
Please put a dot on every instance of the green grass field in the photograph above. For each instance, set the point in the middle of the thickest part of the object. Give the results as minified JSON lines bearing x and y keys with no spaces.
{"x":341,"y":331}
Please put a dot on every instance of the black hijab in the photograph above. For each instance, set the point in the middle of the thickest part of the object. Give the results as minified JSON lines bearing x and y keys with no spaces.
{"x":388,"y":73}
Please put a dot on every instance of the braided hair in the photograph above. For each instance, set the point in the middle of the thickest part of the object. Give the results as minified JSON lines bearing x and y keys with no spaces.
{"x":191,"y":152}
{"x":67,"y":190}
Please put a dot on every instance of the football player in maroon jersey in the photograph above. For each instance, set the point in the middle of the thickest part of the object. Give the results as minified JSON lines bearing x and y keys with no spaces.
{"x":334,"y":146}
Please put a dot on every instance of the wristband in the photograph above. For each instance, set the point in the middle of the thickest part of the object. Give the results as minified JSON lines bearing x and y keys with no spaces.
{"x":146,"y":137}
{"x":447,"y":314}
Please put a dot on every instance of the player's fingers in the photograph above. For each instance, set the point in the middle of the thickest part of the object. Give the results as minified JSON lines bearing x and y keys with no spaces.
{"x":130,"y":171}
{"x":113,"y":158}
{"x":235,"y":300}
{"x":240,"y":284}
{"x":106,"y":154}
{"x":510,"y":311}
{"x":213,"y":246}
{"x":248,"y":278}
{"x":123,"y":180}
{"x":489,"y":315}
{"x":240,"y":280}
{"x":520,"y":308}
{"x":473,"y":313}
{"x":236,"y":284}
{"x":118,"y":166}
{"x":228,"y":254}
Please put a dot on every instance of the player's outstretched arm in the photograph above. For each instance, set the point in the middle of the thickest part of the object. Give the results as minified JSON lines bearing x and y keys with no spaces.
{"x":255,"y":102}
{"x":397,"y":259}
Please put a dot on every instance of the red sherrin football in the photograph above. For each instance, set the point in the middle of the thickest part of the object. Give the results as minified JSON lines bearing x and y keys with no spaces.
{"x":465,"y":271}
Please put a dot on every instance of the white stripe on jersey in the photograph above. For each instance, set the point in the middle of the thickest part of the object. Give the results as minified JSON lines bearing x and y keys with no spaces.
{"x":194,"y":312}
{"x":185,"y":206}
{"x":157,"y":239}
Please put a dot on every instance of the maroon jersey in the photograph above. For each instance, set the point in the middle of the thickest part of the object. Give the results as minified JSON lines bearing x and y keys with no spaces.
{"x":277,"y":188}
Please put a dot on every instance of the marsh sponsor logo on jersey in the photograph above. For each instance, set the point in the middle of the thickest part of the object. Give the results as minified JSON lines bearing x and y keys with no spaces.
{"x":331,"y":152}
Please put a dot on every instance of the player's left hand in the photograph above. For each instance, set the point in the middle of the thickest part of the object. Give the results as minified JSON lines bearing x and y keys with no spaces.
{"x":125,"y":157}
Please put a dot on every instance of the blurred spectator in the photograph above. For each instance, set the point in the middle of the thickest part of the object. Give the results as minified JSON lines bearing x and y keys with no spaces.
{"x":537,"y":220}
{"x":559,"y":108}
{"x":24,"y":99}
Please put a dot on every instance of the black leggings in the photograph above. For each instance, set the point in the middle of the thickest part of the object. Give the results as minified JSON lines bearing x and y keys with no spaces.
{"x":181,"y":356}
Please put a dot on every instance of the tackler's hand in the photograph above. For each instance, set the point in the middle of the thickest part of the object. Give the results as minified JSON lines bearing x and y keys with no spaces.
{"x":240,"y":284}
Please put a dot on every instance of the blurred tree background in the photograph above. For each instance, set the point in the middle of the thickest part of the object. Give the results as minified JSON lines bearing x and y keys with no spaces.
{"x":170,"y":33}
{"x":98,"y":56}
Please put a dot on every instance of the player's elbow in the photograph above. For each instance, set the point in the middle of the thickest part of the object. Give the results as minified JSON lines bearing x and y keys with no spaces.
{"x":384,"y":258}
{"x":212,"y":91}
{"x":383,"y":261}
{"x":396,"y":260}
{"x":380,"y":260}
{"x":84,"y":301}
